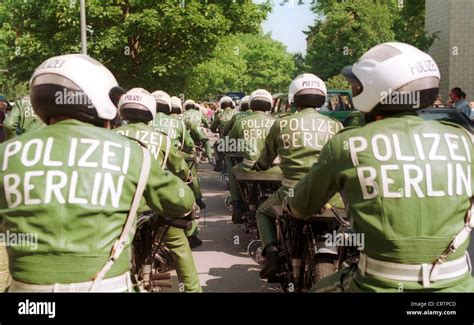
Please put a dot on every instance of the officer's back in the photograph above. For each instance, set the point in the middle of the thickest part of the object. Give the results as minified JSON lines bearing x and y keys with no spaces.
{"x":72,"y":183}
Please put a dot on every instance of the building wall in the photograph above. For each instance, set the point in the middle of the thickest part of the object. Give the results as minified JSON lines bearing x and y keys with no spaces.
{"x":454,"y":50}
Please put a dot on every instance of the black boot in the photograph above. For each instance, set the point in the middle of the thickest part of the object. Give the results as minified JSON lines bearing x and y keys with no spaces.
{"x":194,"y":241}
{"x":237,"y":214}
{"x":272,"y":262}
{"x":218,"y":166}
{"x":201,"y":204}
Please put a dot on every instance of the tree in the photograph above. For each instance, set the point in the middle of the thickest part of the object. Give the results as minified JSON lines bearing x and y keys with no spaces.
{"x":347,"y":30}
{"x":300,"y":64}
{"x":338,"y":82}
{"x":243,"y":62}
{"x":409,"y":26}
{"x":154,"y":44}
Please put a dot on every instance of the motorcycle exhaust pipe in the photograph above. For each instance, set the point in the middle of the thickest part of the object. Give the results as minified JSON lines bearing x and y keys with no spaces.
{"x":160,"y":276}
{"x":162,"y":280}
{"x":162,"y":283}
{"x":255,"y":250}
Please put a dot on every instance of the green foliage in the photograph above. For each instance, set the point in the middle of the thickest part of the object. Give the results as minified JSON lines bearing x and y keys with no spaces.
{"x":345,"y":29}
{"x":349,"y":28}
{"x":154,"y":44}
{"x":243,"y":62}
{"x":409,"y":26}
{"x":300,"y":64}
{"x":338,"y":82}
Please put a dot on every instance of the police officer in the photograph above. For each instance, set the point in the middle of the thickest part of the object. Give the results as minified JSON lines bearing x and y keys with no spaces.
{"x":138,"y":107}
{"x":250,"y":133}
{"x":22,"y":118}
{"x":297,"y":139}
{"x":194,"y":118}
{"x":226,"y":104}
{"x":175,"y":128}
{"x":406,"y":180}
{"x":244,"y":110}
{"x":176,"y":107}
{"x":221,"y":120}
{"x":172,"y":124}
{"x":78,"y":185}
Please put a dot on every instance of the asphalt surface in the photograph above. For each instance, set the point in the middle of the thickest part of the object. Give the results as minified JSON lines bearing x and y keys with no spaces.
{"x":222,"y":261}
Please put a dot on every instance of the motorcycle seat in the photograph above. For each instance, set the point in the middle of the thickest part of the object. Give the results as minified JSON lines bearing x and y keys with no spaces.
{"x":235,"y":155}
{"x":258,"y":177}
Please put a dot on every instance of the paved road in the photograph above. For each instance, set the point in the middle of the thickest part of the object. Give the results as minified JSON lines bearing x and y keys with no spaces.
{"x":222,"y":261}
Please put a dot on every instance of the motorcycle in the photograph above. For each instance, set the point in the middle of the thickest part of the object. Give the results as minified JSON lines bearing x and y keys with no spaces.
{"x":152,"y":261}
{"x":255,"y":188}
{"x":305,"y":254}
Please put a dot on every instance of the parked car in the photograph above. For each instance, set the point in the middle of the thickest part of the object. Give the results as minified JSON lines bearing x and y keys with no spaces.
{"x":357,"y":118}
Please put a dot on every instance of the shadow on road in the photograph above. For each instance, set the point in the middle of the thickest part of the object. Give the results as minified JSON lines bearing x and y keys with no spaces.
{"x":238,"y":278}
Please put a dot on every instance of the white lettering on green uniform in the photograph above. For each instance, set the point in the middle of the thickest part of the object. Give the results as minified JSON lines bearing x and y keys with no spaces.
{"x":254,"y":132}
{"x":110,"y":161}
{"x":153,"y":140}
{"x":166,"y":125}
{"x":397,"y":176}
{"x":256,"y":129}
{"x":29,"y":112}
{"x":310,"y":133}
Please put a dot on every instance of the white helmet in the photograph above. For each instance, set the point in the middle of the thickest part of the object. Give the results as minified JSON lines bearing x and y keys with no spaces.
{"x":176,"y":105}
{"x":244,"y":103}
{"x":189,"y":104}
{"x":310,"y":86}
{"x":391,"y":67}
{"x":137,"y":104}
{"x":260,"y":100}
{"x":226,"y":101}
{"x":91,"y":91}
{"x":163,"y":101}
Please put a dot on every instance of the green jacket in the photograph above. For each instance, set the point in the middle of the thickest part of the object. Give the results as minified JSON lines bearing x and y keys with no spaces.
{"x":160,"y":147}
{"x":237,"y":116}
{"x":298,"y":139}
{"x":72,"y":184}
{"x":251,"y":131}
{"x":194,"y":118}
{"x":175,"y":128}
{"x":407,"y":182}
{"x":222,"y":119}
{"x":21,"y":119}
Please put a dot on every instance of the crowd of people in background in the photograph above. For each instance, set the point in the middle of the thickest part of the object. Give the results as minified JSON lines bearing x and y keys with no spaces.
{"x":457,"y":100}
